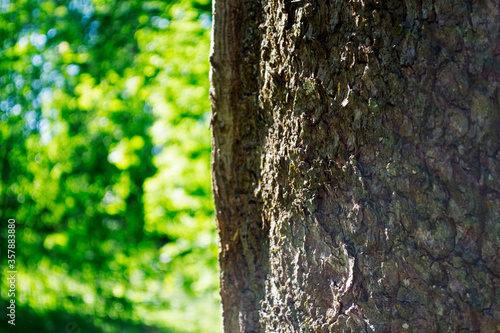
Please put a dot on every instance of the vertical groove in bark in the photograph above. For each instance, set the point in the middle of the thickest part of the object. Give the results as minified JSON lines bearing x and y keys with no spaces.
{"x":360,"y":178}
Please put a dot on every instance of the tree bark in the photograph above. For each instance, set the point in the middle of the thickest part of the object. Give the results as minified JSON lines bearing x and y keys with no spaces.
{"x":356,"y":165}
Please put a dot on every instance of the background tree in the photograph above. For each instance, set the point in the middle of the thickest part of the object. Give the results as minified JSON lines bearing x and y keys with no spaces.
{"x":356,"y":166}
{"x":105,"y":148}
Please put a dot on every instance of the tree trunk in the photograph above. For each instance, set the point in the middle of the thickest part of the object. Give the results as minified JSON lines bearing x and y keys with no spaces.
{"x":356,"y":165}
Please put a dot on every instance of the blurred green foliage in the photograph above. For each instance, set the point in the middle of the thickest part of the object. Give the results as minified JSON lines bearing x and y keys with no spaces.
{"x":104,"y":163}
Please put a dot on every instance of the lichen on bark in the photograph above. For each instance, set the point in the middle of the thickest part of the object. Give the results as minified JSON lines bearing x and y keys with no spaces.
{"x":357,"y":165}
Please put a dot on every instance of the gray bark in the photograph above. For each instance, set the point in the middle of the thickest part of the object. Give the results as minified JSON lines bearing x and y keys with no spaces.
{"x":356,"y":165}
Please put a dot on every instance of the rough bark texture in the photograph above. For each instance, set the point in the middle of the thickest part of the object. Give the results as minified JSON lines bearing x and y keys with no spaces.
{"x":356,"y":165}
